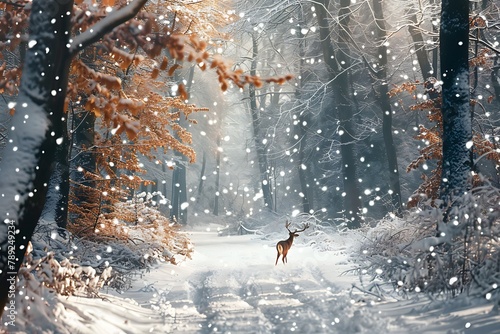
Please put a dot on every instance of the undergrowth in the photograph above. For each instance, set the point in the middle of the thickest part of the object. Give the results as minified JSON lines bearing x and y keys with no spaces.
{"x":439,"y":251}
{"x":60,"y":263}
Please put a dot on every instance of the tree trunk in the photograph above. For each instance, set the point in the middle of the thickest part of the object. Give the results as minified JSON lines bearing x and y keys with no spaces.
{"x":419,"y":45}
{"x":37,"y":127}
{"x":455,"y":110}
{"x":183,"y":201}
{"x":422,"y":57}
{"x":495,"y":77}
{"x":57,"y":198}
{"x":435,"y":39}
{"x":385,"y":104}
{"x":301,"y":130}
{"x":303,"y":172}
{"x":174,"y":209}
{"x":338,"y":65}
{"x":217,"y":176}
{"x":179,"y":182}
{"x":178,"y":212}
{"x":84,"y":160}
{"x":265,"y":183}
{"x":202,"y":175}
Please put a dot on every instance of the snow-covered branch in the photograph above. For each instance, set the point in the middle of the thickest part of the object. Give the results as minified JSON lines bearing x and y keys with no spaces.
{"x":104,"y":26}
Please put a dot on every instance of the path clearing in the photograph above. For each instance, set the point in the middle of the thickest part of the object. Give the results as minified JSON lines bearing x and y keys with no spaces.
{"x":232,"y":286}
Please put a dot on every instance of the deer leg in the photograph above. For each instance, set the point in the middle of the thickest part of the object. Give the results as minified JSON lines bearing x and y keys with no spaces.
{"x":279,"y":248}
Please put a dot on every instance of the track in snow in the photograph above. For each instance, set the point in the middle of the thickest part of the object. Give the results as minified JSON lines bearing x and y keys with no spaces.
{"x":233,"y":286}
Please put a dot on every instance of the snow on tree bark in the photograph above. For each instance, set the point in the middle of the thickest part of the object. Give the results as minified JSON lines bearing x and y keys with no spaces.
{"x":34,"y":134}
{"x":55,"y":210}
{"x":301,"y":129}
{"x":419,"y":44}
{"x":455,"y":110}
{"x":38,"y":124}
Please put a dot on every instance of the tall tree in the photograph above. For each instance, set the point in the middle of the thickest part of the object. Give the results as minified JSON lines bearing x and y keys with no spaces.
{"x":57,"y":198}
{"x":303,"y":167}
{"x":34,"y":134}
{"x":178,"y":209}
{"x":264,"y":173}
{"x":419,"y":43}
{"x":83,"y":154}
{"x":385,"y":104}
{"x":338,"y":64}
{"x":455,"y":110}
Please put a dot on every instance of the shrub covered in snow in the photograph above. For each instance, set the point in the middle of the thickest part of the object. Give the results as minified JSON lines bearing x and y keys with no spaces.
{"x":63,"y":264}
{"x":63,"y":277}
{"x":134,"y":237}
{"x":320,"y":235}
{"x":41,"y":280}
{"x":440,"y":251}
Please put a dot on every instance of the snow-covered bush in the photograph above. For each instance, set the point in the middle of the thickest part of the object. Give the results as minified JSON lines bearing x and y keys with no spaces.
{"x":440,"y":251}
{"x":134,"y":236}
{"x":39,"y":283}
{"x":63,"y":277}
{"x":320,"y":235}
{"x":62,"y":264}
{"x":133,"y":239}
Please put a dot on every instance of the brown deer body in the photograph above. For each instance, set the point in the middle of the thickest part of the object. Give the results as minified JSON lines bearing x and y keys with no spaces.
{"x":284,"y":245}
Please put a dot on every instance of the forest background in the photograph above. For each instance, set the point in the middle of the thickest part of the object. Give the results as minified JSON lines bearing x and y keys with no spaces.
{"x":115,"y":132}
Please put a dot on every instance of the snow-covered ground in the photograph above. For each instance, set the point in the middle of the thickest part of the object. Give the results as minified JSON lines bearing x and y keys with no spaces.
{"x":232,"y":286}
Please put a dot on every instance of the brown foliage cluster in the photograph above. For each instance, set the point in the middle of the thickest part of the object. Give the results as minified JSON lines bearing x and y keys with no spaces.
{"x":8,"y":79}
{"x":126,"y":79}
{"x":126,"y":86}
{"x":191,"y":48}
{"x":13,"y":25}
{"x":120,"y":81}
{"x":408,"y":87}
{"x":485,"y":147}
{"x":432,"y":149}
{"x":481,"y":59}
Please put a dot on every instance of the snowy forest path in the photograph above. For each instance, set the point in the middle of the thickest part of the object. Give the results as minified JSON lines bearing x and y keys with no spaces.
{"x":232,"y":286}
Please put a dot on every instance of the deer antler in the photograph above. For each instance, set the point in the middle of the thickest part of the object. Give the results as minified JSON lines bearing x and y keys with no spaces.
{"x":303,"y":229}
{"x":288,"y":225}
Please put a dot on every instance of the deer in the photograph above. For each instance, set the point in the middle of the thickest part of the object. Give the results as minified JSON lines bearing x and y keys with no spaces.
{"x":284,"y":245}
